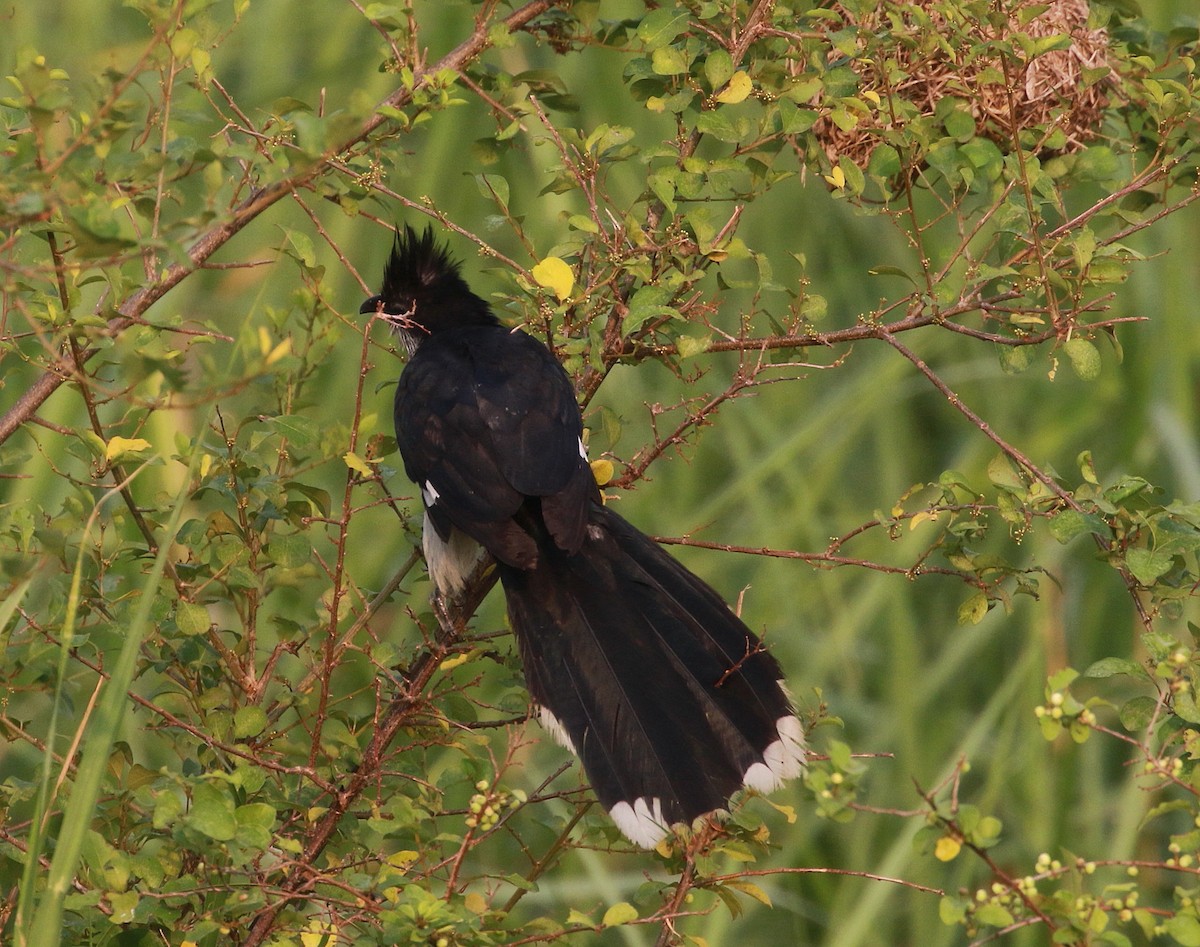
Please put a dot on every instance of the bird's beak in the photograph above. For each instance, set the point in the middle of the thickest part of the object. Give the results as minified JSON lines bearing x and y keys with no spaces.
{"x":371,"y":306}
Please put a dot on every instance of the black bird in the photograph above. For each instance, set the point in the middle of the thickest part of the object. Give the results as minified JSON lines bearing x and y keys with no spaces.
{"x":636,"y":665}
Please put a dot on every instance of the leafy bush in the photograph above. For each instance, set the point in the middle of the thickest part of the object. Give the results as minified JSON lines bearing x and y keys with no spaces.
{"x":788,"y":244}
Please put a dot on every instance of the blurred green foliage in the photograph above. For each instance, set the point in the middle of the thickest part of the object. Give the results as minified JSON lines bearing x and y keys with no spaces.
{"x":927,"y":384}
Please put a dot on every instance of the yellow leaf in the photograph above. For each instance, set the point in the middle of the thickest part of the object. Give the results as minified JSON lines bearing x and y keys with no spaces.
{"x":555,"y":275}
{"x":282,"y":349}
{"x":602,"y":471}
{"x":736,"y":90}
{"x":921,"y":517}
{"x":836,"y":177}
{"x":947,"y":849}
{"x":753,"y":890}
{"x":475,"y":902}
{"x":872,"y":97}
{"x":451,"y":663}
{"x":402,"y":859}
{"x":357,"y":464}
{"x":620,"y":913}
{"x":788,"y":812}
{"x":117,"y":446}
{"x":319,"y":935}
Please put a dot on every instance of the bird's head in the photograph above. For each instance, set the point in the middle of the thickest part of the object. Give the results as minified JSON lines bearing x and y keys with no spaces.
{"x":423,"y":292}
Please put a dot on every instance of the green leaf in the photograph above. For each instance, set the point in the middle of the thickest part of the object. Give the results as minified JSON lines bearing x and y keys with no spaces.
{"x":886,"y":269}
{"x":993,"y":914}
{"x":987,"y":832}
{"x":668,"y":61}
{"x":1087,"y":467}
{"x":960,"y":124}
{"x":493,"y":186}
{"x":852,"y":173}
{"x":299,"y":247}
{"x":1067,"y":524}
{"x":1014,"y":359}
{"x":884,"y":162}
{"x":249,"y":721}
{"x":690,"y":346}
{"x":1050,"y":728}
{"x":1165,"y":808}
{"x":718,"y":67}
{"x":212,"y":812}
{"x":254,"y":826}
{"x":580,"y":222}
{"x":1002,"y":473}
{"x":1148,"y":566}
{"x":256,"y":814}
{"x":648,"y":302}
{"x":620,"y":913}
{"x":661,"y":26}
{"x":123,"y":904}
{"x":971,"y":611}
{"x":1097,"y":163}
{"x":952,"y":910}
{"x":1185,"y":707}
{"x":192,"y":618}
{"x":302,"y":432}
{"x":795,"y":120}
{"x":1185,"y":929}
{"x":289,"y":550}
{"x":1174,"y":537}
{"x":721,"y":126}
{"x":1137,"y":712}
{"x":1111,"y":667}
{"x":1085,"y":358}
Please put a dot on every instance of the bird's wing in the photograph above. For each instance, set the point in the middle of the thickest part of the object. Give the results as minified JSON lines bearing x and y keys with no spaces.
{"x":486,"y":418}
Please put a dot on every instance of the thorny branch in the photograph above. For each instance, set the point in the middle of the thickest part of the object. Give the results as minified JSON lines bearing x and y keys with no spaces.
{"x":129,"y":310}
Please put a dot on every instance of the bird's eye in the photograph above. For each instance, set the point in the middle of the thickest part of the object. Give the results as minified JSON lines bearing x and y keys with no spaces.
{"x":401,"y":311}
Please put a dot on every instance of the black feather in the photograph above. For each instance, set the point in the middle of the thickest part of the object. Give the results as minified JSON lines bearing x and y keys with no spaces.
{"x":638,"y":665}
{"x":419,"y":265}
{"x":423,"y":290}
{"x":664,"y":693}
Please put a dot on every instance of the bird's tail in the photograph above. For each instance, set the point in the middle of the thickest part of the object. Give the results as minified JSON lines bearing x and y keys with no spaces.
{"x":645,"y":673}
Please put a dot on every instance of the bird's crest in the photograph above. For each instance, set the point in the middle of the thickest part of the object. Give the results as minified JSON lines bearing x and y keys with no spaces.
{"x":418,"y":265}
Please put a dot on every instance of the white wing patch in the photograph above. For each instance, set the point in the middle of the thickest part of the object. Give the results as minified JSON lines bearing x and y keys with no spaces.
{"x":449,"y":562}
{"x":429,"y":493}
{"x":554,"y":727}
{"x":782,"y":760}
{"x":582,"y":450}
{"x":642,"y":822}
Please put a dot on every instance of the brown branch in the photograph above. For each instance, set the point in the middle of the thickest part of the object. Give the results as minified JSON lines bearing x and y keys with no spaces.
{"x":397,"y":715}
{"x":826,"y":558}
{"x":846,"y":872}
{"x":1018,"y":458}
{"x":136,"y":304}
